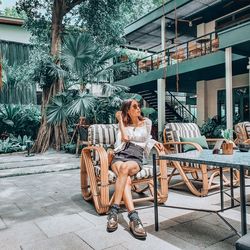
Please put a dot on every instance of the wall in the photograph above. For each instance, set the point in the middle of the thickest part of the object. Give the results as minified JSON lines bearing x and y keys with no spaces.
{"x":14,"y":33}
{"x":207,"y":95}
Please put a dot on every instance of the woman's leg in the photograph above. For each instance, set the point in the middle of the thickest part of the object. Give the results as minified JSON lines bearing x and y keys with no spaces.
{"x":127,"y":196}
{"x":124,"y":170}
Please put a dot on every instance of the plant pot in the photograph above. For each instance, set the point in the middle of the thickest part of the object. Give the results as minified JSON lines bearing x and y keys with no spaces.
{"x":227,"y":148}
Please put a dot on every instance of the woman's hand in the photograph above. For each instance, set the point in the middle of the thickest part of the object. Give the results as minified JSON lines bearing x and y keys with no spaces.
{"x":159,"y":146}
{"x":118,"y":116}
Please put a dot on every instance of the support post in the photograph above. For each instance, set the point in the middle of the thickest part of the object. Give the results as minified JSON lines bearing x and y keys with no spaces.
{"x":161,"y":99}
{"x":229,"y":92}
{"x":248,"y":67}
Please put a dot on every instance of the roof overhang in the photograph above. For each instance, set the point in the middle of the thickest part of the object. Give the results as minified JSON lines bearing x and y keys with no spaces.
{"x":11,"y":21}
{"x":145,"y":33}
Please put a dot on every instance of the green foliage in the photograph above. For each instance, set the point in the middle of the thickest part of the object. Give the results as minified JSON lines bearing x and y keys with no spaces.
{"x":212,"y":128}
{"x":81,"y":104}
{"x":69,"y":148}
{"x":13,"y":144}
{"x":12,"y":12}
{"x":227,"y":134}
{"x":85,"y":59}
{"x":57,"y":110}
{"x":151,"y":113}
{"x":19,"y":120}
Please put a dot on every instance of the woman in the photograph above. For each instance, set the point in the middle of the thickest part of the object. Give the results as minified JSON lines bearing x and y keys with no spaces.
{"x":133,"y":139}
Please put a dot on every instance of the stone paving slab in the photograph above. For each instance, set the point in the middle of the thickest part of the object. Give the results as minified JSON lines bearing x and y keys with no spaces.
{"x":62,"y":242}
{"x":20,"y":233}
{"x":63,"y":224}
{"x":54,"y":215}
{"x":51,"y":161}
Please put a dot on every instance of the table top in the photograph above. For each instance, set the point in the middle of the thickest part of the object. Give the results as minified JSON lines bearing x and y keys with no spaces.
{"x":235,"y":160}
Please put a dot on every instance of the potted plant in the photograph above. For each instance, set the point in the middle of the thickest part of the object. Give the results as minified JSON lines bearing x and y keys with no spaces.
{"x":228,"y":144}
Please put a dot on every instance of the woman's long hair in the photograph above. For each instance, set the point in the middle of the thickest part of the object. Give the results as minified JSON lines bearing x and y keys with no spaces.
{"x":125,"y":108}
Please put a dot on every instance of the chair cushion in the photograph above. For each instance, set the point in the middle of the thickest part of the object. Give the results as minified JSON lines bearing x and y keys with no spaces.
{"x":102,"y":134}
{"x":201,"y":140}
{"x":243,"y":243}
{"x":146,"y":172}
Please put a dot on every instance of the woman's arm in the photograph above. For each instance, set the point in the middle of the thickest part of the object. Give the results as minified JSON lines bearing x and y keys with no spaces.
{"x":124,"y":136}
{"x":151,"y":142}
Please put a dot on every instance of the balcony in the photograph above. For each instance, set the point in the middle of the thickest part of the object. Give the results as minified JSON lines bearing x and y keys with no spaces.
{"x":177,"y":53}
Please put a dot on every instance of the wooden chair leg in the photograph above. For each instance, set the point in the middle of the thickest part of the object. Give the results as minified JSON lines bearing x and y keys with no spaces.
{"x":98,"y":199}
{"x":86,"y":193}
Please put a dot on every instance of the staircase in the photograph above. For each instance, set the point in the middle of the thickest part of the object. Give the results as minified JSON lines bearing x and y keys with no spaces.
{"x":175,"y":111}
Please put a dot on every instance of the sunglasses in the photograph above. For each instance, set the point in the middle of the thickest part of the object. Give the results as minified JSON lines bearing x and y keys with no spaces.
{"x":135,"y":106}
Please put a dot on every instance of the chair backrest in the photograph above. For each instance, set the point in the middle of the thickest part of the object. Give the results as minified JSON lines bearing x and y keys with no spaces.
{"x":173,"y":131}
{"x":242,"y":131}
{"x":102,"y":134}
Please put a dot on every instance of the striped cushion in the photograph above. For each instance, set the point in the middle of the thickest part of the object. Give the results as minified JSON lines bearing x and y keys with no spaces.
{"x":176,"y":130}
{"x":146,"y":172}
{"x":102,"y":134}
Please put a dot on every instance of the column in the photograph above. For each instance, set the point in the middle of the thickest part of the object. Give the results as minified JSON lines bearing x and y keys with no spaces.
{"x":248,"y":67}
{"x":163,"y":38}
{"x":161,"y":99}
{"x":229,"y":92}
{"x":201,"y":90}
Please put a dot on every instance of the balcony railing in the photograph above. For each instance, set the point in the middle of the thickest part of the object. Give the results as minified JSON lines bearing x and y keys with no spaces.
{"x":200,"y":46}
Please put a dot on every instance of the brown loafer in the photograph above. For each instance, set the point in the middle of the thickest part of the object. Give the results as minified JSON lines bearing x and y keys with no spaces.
{"x":112,"y":223}
{"x":137,"y":229}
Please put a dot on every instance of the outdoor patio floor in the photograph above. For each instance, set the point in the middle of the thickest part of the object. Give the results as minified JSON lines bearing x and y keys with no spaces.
{"x":46,"y":211}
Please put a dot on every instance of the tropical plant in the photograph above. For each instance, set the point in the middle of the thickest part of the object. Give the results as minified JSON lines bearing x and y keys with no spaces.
{"x":19,"y":120}
{"x":13,"y":144}
{"x":212,"y":128}
{"x":227,"y":134}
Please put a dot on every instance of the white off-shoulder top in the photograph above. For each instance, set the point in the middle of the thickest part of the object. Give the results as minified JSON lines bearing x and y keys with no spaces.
{"x":140,"y":136}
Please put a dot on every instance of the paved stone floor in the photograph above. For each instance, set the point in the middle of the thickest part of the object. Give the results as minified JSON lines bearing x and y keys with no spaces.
{"x":46,"y":211}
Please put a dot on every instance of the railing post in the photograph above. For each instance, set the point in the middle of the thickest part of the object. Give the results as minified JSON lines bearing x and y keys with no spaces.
{"x":187,"y":50}
{"x":211,"y":43}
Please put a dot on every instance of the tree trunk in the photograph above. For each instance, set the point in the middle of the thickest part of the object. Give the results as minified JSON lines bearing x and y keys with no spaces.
{"x":48,"y":134}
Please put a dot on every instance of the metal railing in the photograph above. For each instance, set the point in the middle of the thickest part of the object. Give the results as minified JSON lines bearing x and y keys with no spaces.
{"x":174,"y":54}
{"x":179,"y":108}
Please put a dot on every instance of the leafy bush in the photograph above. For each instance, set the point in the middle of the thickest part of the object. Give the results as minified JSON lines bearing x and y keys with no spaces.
{"x":70,"y":148}
{"x":212,"y":128}
{"x":13,"y":144}
{"x":19,"y":120}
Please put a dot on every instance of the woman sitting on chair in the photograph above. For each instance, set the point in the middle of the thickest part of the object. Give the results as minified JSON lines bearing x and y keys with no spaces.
{"x":133,"y":139}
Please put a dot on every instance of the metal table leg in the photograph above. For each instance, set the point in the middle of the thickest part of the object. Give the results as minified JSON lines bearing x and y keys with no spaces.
{"x":155,"y":194}
{"x":243,"y":201}
{"x":232,"y":187}
{"x":221,"y":190}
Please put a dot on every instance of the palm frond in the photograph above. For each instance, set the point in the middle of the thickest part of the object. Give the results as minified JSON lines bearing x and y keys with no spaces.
{"x":110,"y":89}
{"x":57,"y":110}
{"x":81,"y":104}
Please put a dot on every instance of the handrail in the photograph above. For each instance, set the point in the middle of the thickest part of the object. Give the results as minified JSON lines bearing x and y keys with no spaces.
{"x":156,"y":60}
{"x":183,"y":111}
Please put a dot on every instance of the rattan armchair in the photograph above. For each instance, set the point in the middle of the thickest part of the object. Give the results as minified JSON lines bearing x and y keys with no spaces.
{"x":190,"y":173}
{"x":97,"y":179}
{"x":242,"y":131}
